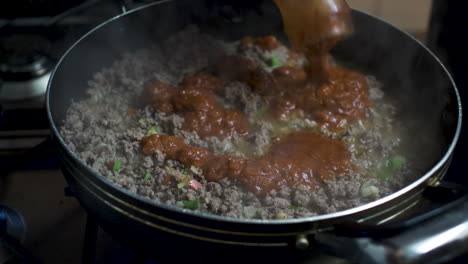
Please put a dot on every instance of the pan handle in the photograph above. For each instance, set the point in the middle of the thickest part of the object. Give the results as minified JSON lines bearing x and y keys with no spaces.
{"x":434,"y":237}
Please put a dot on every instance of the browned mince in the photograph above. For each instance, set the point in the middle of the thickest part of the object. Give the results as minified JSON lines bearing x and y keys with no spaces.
{"x":221,"y":126}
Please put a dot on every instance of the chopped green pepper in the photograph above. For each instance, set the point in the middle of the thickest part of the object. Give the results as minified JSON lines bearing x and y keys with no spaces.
{"x":147,"y":176}
{"x":181,"y":185}
{"x":397,"y":162}
{"x":384,"y":174}
{"x":117,"y":165}
{"x":194,"y":205}
{"x":153,"y":130}
{"x":274,"y":62}
{"x":294,"y":207}
{"x":391,"y":166}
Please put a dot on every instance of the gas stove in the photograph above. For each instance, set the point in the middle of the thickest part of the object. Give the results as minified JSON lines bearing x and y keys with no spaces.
{"x":45,"y":221}
{"x":33,"y":37}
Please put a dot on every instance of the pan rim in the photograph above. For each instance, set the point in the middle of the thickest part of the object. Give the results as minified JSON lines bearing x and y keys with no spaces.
{"x":213,"y":217}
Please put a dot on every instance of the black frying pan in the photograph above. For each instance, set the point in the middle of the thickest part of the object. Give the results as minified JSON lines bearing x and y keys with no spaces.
{"x":428,"y":103}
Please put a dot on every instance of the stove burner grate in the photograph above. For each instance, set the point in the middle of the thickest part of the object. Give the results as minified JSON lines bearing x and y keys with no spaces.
{"x":24,"y":66}
{"x":24,"y":57}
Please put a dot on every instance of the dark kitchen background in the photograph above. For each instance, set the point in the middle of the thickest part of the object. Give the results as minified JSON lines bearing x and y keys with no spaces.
{"x":33,"y":36}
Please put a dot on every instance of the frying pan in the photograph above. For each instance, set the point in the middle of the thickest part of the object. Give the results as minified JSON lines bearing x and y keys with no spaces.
{"x":413,"y":77}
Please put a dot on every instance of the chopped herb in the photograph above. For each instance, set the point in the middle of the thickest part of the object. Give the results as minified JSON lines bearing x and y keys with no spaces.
{"x":391,"y":166}
{"x":184,"y":172}
{"x":147,"y":176}
{"x":117,"y":165}
{"x":194,"y":205}
{"x":397,"y":162}
{"x":384,"y":174}
{"x":274,"y":62}
{"x":153,"y":130}
{"x":214,"y":197}
{"x":294,"y":207}
{"x":181,"y":185}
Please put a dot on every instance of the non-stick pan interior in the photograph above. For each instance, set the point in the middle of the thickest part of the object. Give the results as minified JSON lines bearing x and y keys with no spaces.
{"x":412,"y":76}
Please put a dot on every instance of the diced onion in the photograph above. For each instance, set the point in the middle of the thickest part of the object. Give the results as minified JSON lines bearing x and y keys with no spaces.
{"x":369,"y":191}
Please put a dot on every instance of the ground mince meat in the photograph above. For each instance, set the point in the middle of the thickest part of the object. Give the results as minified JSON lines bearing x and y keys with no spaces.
{"x":241,"y":129}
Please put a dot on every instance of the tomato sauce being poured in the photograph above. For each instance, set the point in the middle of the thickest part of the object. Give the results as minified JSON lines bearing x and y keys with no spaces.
{"x":334,"y":96}
{"x":313,"y":28}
